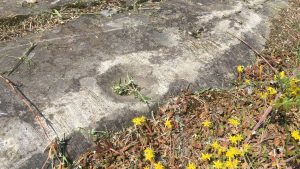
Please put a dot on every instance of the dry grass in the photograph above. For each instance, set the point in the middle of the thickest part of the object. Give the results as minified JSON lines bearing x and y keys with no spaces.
{"x":285,"y":37}
{"x":19,"y":26}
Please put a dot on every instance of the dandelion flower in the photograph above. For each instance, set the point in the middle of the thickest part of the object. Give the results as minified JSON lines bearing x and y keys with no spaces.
{"x":191,"y":166}
{"x":240,"y":69}
{"x":205,"y":157}
{"x":295,"y":134}
{"x":168,"y":124}
{"x":149,"y":154}
{"x":218,"y":164}
{"x":158,"y":166}
{"x":215,"y":145}
{"x":139,"y":120}
{"x":272,"y":90}
{"x":206,"y":123}
{"x":234,"y":122}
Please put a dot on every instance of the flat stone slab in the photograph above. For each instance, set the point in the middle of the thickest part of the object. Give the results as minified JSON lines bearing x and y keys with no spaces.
{"x":11,"y":8}
{"x":164,"y":47}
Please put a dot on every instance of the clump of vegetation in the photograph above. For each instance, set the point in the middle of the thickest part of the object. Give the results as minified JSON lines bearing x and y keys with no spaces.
{"x":128,"y":87}
{"x":213,"y":129}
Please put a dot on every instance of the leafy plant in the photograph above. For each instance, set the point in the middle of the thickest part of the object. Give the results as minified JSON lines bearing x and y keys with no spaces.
{"x":290,"y":89}
{"x":128,"y":87}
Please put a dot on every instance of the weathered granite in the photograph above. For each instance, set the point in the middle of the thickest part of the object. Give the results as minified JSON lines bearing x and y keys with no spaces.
{"x":77,"y":63}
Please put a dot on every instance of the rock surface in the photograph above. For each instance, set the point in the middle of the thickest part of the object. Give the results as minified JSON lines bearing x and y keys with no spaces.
{"x":163,"y":46}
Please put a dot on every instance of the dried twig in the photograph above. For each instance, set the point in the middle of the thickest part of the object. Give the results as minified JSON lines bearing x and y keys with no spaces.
{"x":262,"y":119}
{"x":259,"y":123}
{"x":292,"y":158}
{"x":26,"y":102}
{"x":52,"y":151}
{"x":254,"y":50}
{"x":22,"y":58}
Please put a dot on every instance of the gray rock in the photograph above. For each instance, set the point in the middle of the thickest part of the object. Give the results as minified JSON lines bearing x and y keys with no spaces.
{"x":76,"y":65}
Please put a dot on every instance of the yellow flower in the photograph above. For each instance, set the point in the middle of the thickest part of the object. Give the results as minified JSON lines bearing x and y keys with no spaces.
{"x":247,"y":82}
{"x":246,"y":148}
{"x":218,"y":164}
{"x":206,"y":123}
{"x":271,"y":90}
{"x":293,"y":82}
{"x":205,"y":156}
{"x":221,"y":150}
{"x":281,"y":75}
{"x":233,"y":139}
{"x":149,"y":154}
{"x":239,"y":137}
{"x":231,"y":152}
{"x":294,"y":88}
{"x":232,"y":164}
{"x":233,"y":122}
{"x":263,"y":95}
{"x":158,"y":166}
{"x":191,"y":166}
{"x":215,"y":145}
{"x":295,"y":134}
{"x":168,"y":124}
{"x":146,"y":167}
{"x":240,"y":69}
{"x":139,"y":120}
{"x":236,"y":163}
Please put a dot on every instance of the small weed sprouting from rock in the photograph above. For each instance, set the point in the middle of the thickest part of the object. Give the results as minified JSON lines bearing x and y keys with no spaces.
{"x":128,"y":87}
{"x":125,"y":88}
